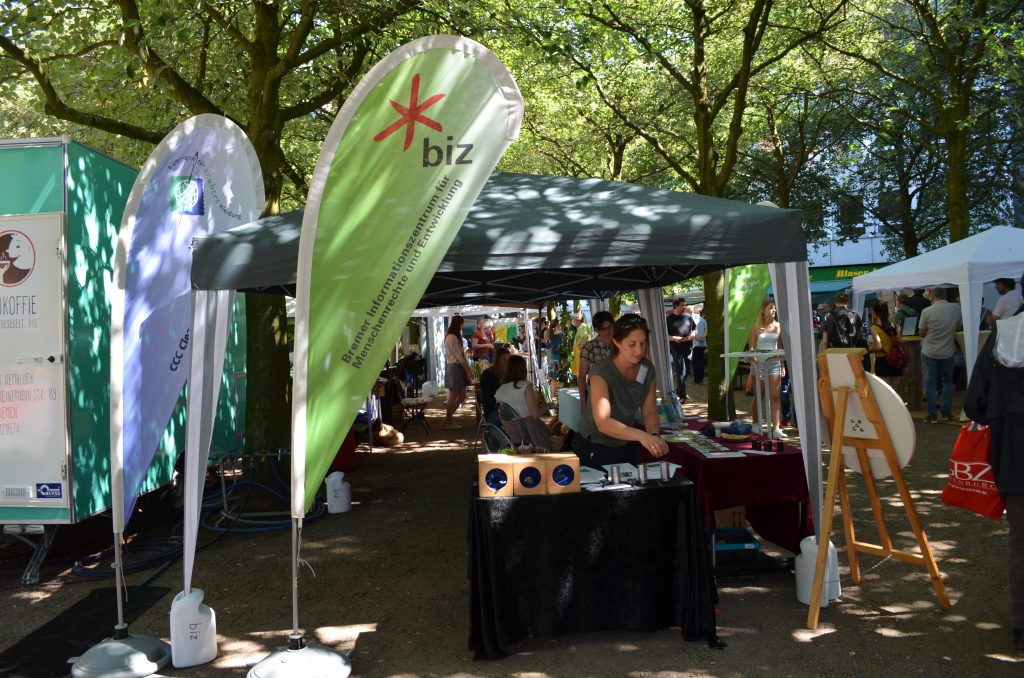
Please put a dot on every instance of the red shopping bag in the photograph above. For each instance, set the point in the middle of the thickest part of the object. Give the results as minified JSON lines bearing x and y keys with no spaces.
{"x":971,"y":484}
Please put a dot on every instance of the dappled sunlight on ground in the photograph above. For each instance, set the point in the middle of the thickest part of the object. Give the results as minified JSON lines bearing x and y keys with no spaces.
{"x":390,"y":585}
{"x":807,"y":635}
{"x":725,"y":585}
{"x":894,"y":633}
{"x":240,"y":653}
{"x":31,"y":596}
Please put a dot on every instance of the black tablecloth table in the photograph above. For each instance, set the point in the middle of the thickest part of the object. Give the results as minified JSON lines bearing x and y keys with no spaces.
{"x":618,"y":560}
{"x":773,"y":488}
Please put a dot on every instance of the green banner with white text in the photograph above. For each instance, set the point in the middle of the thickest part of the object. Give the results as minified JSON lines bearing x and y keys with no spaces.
{"x":747,"y":288}
{"x":402,"y":165}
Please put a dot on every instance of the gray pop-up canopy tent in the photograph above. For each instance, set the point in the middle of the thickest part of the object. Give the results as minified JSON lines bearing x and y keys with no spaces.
{"x":530,"y":239}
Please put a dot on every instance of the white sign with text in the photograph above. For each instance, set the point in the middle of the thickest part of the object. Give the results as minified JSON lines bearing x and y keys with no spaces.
{"x":33,"y":426}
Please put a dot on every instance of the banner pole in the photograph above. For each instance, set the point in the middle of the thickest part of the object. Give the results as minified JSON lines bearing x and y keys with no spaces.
{"x":725,"y":341}
{"x":295,"y":640}
{"x":119,"y":580}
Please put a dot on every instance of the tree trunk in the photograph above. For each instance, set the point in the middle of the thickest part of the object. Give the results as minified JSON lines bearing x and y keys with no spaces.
{"x":956,"y":186}
{"x":268,"y":384}
{"x":268,"y":408}
{"x":720,"y":406}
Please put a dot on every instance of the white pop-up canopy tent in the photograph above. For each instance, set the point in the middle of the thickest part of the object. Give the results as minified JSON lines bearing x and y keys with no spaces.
{"x":969,"y":263}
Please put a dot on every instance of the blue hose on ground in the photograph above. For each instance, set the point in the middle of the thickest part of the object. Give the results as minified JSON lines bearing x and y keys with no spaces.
{"x":136,"y":556}
{"x":218,"y":509}
{"x":143,"y":555}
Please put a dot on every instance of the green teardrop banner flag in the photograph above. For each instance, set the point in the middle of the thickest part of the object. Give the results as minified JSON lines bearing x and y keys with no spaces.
{"x":400,"y":169}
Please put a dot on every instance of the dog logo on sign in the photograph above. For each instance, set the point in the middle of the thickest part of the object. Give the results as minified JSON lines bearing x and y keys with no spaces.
{"x":17,"y":258}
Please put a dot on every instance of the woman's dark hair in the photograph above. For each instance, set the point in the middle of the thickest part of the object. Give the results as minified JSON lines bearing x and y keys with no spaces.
{"x":881,"y":311}
{"x":455,"y":327}
{"x":516,"y":370}
{"x":600,"y":318}
{"x":498,"y":355}
{"x":625,"y":325}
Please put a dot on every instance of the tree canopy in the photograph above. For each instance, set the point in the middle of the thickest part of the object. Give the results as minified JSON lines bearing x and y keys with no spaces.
{"x":902,"y":118}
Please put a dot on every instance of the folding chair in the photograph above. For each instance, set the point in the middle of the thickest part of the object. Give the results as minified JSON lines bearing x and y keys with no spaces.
{"x":494,"y":439}
{"x":513,"y":424}
{"x":367,"y":418}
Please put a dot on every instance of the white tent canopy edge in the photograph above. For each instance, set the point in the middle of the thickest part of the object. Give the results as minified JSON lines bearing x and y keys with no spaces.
{"x":997,"y":252}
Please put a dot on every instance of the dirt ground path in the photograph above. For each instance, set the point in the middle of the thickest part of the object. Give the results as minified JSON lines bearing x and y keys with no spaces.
{"x":391,"y":585}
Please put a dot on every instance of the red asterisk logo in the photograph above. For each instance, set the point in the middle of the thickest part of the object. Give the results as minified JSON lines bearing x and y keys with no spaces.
{"x":411,"y":114}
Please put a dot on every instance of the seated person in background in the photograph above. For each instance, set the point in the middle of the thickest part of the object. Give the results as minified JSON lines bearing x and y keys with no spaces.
{"x":619,"y":385}
{"x":490,"y":381}
{"x":518,"y":393}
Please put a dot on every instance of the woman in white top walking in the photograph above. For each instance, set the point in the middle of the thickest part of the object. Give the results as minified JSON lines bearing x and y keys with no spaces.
{"x":457,"y":375}
{"x":765,"y":335}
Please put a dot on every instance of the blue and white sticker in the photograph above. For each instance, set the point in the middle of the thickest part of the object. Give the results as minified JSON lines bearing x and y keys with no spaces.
{"x":49,"y":491}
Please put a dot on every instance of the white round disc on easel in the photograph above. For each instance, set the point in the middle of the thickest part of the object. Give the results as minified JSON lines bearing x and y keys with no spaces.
{"x":897,"y":420}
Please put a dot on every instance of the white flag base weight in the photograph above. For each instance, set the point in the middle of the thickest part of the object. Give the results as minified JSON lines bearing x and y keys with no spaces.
{"x":296,"y":661}
{"x":123,"y":656}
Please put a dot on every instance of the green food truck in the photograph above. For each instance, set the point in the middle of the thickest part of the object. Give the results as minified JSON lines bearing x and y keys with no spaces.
{"x":61,"y":205}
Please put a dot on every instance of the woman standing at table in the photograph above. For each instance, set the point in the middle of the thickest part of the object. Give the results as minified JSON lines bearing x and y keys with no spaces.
{"x":619,"y":386}
{"x":765,"y":335}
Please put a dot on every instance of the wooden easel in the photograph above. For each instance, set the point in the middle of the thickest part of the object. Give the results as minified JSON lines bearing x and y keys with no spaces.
{"x":835,"y":404}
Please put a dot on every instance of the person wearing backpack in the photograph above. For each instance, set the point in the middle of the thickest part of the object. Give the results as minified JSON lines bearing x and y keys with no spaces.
{"x":884,"y":338}
{"x":843,"y":327}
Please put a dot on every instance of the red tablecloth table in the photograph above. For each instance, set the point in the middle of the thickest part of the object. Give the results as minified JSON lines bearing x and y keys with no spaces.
{"x":773,"y":488}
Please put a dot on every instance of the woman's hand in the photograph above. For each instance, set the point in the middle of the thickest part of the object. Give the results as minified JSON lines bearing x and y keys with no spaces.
{"x":655,"y":445}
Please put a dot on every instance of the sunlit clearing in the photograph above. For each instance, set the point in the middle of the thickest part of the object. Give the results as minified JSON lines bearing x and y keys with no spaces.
{"x":239,"y":653}
{"x":244,"y":653}
{"x":738,"y":631}
{"x":807,"y":635}
{"x":1006,"y":658}
{"x":988,"y":626}
{"x":722,"y":586}
{"x":32,"y":596}
{"x":893,"y":633}
{"x":909,"y":607}
{"x":342,"y":635}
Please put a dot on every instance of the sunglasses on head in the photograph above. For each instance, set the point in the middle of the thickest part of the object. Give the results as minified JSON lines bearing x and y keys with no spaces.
{"x":631,"y":320}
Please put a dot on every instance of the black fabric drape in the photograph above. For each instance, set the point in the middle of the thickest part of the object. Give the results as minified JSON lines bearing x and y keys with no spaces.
{"x":627,"y":560}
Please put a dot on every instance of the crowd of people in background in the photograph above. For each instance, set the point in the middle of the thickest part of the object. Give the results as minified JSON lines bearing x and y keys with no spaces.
{"x":933,"y":316}
{"x":611,"y":365}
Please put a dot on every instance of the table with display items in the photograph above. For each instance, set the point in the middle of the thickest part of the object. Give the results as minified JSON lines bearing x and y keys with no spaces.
{"x":772,"y":487}
{"x":631,"y":559}
{"x":760,"y":363}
